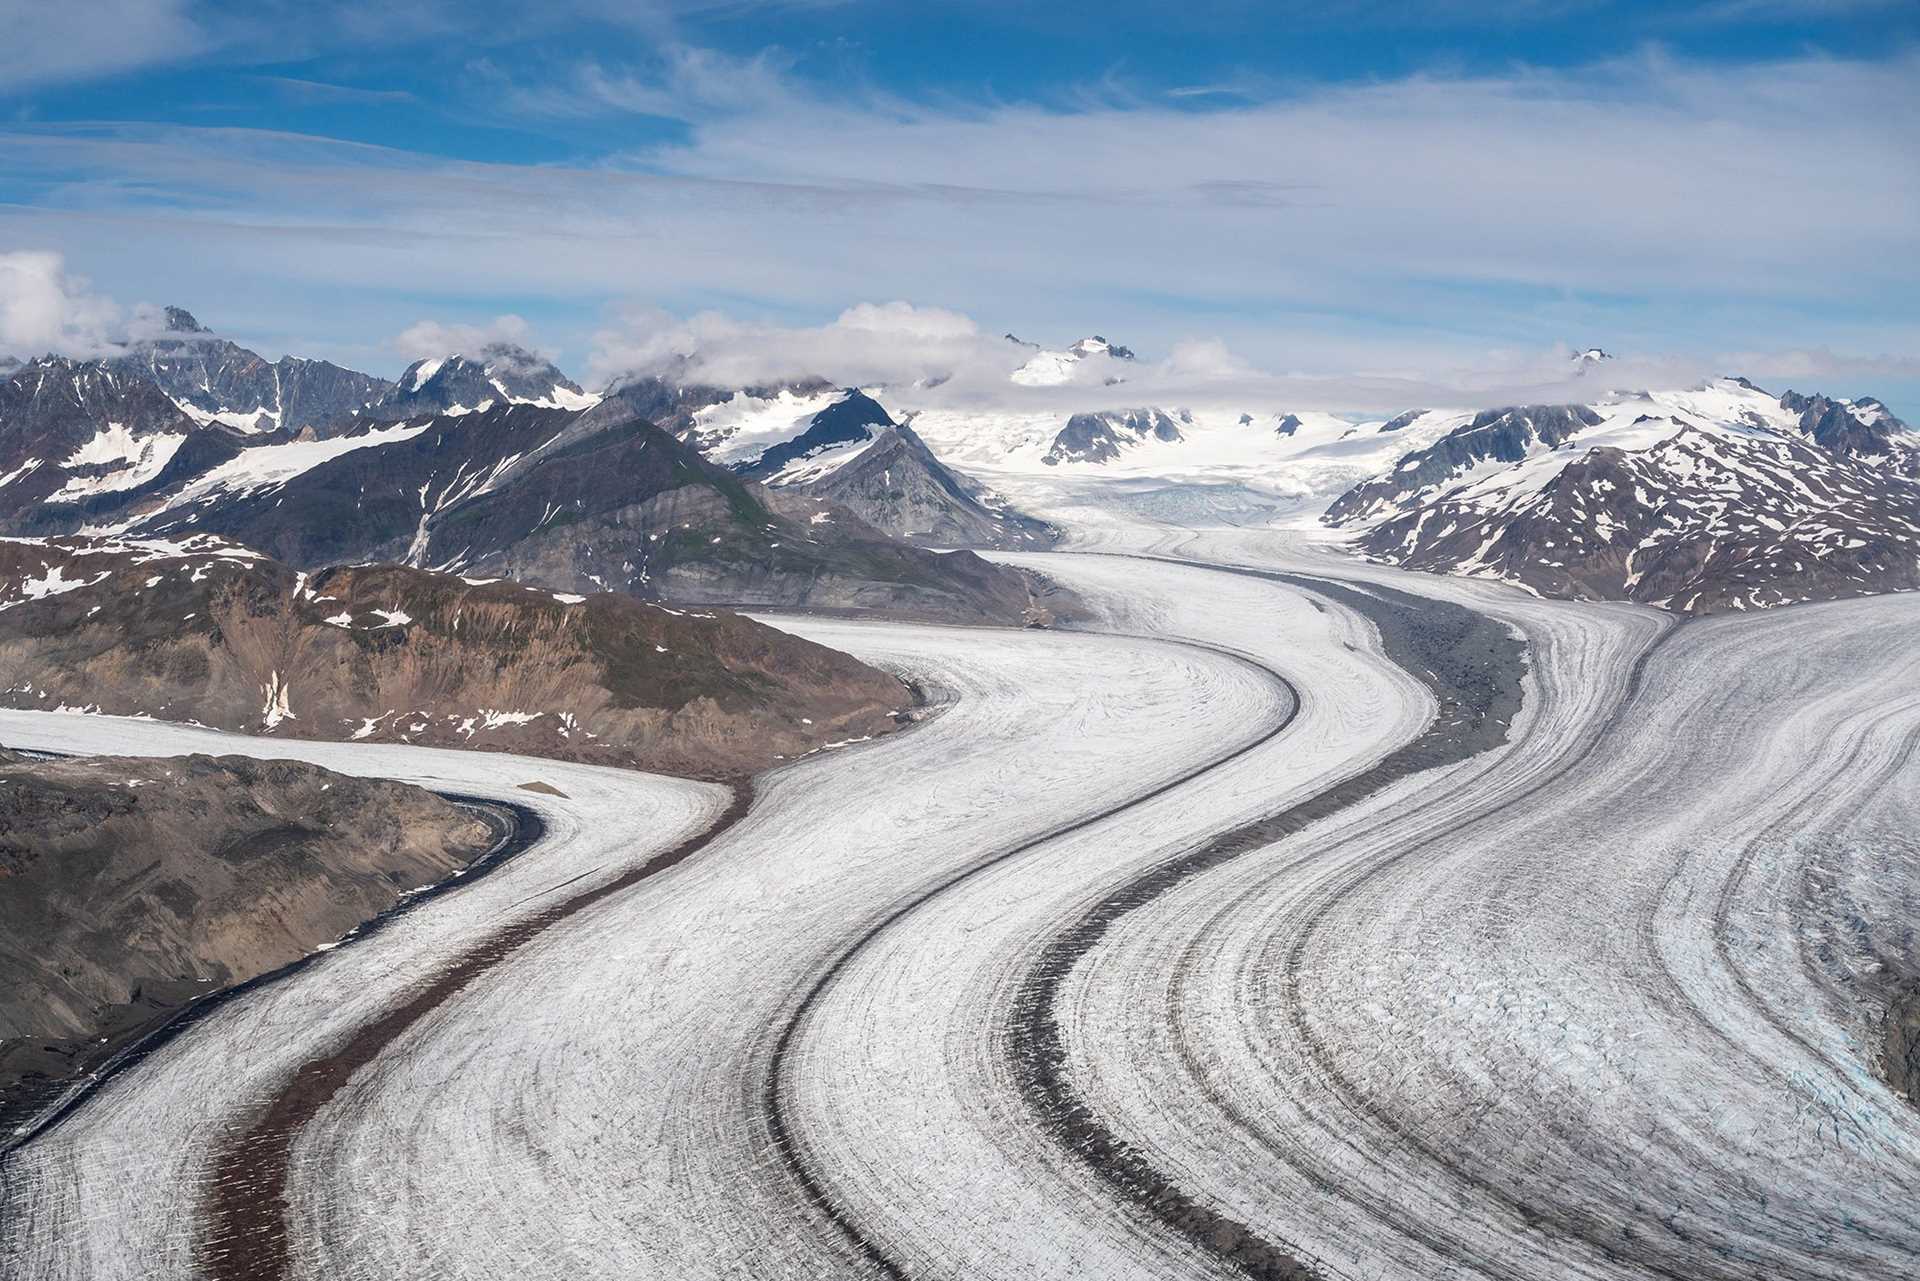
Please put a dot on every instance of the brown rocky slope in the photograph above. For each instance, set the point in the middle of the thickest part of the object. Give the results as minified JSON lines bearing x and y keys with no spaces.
{"x":206,"y":631}
{"x":130,"y":886}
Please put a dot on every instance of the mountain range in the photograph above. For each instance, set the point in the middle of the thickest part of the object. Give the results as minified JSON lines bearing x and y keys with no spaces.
{"x":212,"y":379}
{"x":496,"y":465}
{"x":1721,"y":497}
{"x":814,"y":494}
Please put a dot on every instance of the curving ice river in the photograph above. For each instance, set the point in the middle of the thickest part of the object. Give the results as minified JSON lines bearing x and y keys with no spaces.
{"x":1297,"y":917}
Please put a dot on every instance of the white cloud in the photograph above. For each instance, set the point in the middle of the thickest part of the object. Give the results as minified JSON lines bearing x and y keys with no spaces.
{"x":949,"y":360}
{"x":43,"y":309}
{"x":320,"y":92}
{"x":1205,"y":358}
{"x":867,"y":343}
{"x":1823,"y":368}
{"x":50,"y":42}
{"x":427,"y":339}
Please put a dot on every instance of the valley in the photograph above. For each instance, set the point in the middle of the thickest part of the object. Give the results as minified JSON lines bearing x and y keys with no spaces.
{"x":861,"y":641}
{"x":1111,"y":842}
{"x":1348,"y":1043}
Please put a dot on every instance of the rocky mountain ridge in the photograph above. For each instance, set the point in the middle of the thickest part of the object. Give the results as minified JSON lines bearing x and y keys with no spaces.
{"x":208,"y":631}
{"x":499,"y":374}
{"x":1100,"y":438}
{"x":896,"y":484}
{"x":213,"y":379}
{"x":1721,"y":498}
{"x":582,"y":499}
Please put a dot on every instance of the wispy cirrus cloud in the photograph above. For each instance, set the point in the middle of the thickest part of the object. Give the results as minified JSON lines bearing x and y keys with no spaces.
{"x":51,"y":43}
{"x":681,"y":82}
{"x":317,"y":91}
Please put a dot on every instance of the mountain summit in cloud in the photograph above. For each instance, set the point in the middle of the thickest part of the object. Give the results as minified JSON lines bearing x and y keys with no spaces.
{"x":1084,"y":359}
{"x":213,"y":379}
{"x":499,"y":373}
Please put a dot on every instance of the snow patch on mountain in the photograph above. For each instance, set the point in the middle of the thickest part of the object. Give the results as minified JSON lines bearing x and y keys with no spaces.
{"x":1317,"y":458}
{"x":251,"y":421}
{"x":116,"y":460}
{"x":737,"y":431}
{"x":267,"y":466}
{"x":833,"y":437}
{"x":421,"y":372}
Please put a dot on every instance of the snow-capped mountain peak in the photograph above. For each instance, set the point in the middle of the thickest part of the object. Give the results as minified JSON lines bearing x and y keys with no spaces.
{"x":215,"y":380}
{"x":830,"y":438}
{"x":420,"y":373}
{"x":1096,"y":345}
{"x":499,"y":373}
{"x":1049,"y":368}
{"x":1718,"y":497}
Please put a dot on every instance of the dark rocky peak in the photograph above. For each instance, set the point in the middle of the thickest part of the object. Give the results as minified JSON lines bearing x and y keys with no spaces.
{"x":1510,"y":429}
{"x":56,"y":366}
{"x":497,"y":372}
{"x":72,"y":428}
{"x":524,"y":374}
{"x":1087,"y":438}
{"x":659,"y":401}
{"x":1287,"y":425}
{"x":1401,"y":421}
{"x":181,"y":321}
{"x":181,"y":334}
{"x":211,"y":377}
{"x":420,"y":373}
{"x":1861,"y":429}
{"x":898,"y":486}
{"x":671,"y":402}
{"x":87,"y":388}
{"x":854,"y":409}
{"x":1099,"y":438}
{"x":1657,"y":524}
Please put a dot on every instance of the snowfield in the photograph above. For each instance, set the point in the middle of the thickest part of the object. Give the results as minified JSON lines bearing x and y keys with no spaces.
{"x":1313,"y":458}
{"x":1298,"y":917}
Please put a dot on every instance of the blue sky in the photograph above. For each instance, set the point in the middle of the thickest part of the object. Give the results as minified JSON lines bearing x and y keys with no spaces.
{"x":1381,"y":188}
